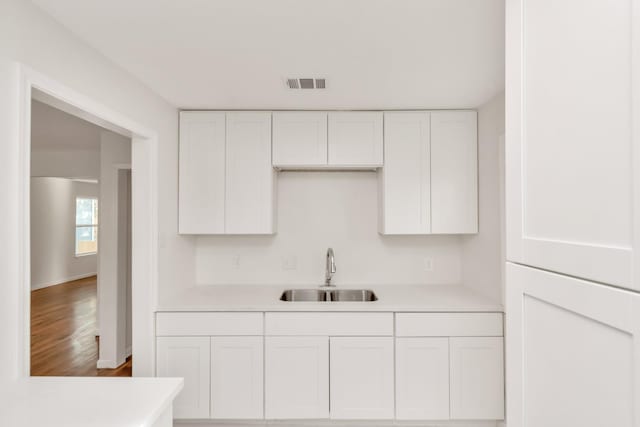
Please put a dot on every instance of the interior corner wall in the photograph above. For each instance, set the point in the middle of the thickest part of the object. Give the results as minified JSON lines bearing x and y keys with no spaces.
{"x":33,"y":39}
{"x":482,"y":254}
{"x":65,"y":163}
{"x":53,"y":227}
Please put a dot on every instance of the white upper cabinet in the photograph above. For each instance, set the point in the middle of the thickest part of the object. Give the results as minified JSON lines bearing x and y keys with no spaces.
{"x":227,"y":183}
{"x":202,"y":172}
{"x":428,"y":177}
{"x":429,"y":182}
{"x":249,"y":207}
{"x":454,"y":172}
{"x":355,"y":138}
{"x":573,"y":138}
{"x":320,"y":139}
{"x":405,"y":179}
{"x":299,"y":139}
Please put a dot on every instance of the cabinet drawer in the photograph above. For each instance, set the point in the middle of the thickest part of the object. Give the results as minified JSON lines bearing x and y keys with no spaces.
{"x":329,"y":324}
{"x":208,"y":324}
{"x":449,"y":325}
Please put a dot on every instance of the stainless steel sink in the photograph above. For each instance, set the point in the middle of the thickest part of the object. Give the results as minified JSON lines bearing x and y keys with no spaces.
{"x":328,"y":295}
{"x":353,"y":295}
{"x":303,"y":295}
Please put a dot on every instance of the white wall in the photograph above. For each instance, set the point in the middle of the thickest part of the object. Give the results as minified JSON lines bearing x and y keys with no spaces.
{"x":321,"y":209}
{"x":66,"y":163}
{"x":53,"y":209}
{"x":63,"y":145}
{"x":482,"y":254}
{"x":115,"y":151}
{"x":30,"y":37}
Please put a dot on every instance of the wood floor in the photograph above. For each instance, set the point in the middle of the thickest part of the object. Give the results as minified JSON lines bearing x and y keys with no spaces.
{"x":63,"y":332}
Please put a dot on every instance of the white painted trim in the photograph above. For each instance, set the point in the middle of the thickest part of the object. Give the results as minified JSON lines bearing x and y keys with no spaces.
{"x":106,"y":364}
{"x":144,"y":209}
{"x":62,"y":280}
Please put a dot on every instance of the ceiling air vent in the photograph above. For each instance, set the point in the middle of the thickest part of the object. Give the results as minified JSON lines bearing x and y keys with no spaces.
{"x":306,"y":83}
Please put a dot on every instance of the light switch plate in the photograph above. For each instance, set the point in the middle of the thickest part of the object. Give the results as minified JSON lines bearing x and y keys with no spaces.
{"x":428,"y":264}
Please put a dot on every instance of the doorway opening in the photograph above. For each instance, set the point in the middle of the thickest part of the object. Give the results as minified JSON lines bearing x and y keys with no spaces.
{"x":141,"y":143}
{"x":80,"y":223}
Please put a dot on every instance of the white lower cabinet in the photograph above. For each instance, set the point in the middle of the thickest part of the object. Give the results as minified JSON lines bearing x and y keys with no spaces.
{"x":296,"y":377}
{"x":422,"y":378}
{"x":477,"y":378}
{"x":237,"y":377}
{"x":340,"y":366}
{"x":362,"y":378}
{"x":187,"y":357}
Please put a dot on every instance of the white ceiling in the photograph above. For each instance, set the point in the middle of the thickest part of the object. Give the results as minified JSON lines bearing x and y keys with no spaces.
{"x":55,"y":130}
{"x":237,"y":53}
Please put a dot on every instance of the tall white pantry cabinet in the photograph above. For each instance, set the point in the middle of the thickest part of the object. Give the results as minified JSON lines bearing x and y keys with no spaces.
{"x":573,"y":213}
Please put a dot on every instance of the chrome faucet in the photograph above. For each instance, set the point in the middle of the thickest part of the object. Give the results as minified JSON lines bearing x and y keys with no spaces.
{"x":330,"y":267}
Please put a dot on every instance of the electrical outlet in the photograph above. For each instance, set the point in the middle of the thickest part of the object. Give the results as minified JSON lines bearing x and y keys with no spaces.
{"x":428,"y":264}
{"x":289,"y":262}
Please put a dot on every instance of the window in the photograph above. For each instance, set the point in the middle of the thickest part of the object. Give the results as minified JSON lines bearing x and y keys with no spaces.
{"x":86,"y":226}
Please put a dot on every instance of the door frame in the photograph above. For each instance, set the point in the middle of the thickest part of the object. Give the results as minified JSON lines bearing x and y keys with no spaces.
{"x":144,"y":155}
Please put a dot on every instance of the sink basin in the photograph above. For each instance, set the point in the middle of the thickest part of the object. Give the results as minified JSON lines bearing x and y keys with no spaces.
{"x":353,"y":295}
{"x":302,"y":295}
{"x":328,"y":295}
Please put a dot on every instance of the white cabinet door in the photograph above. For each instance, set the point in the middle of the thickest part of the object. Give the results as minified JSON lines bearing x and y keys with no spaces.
{"x":299,"y":138}
{"x":476,"y":378}
{"x":250,"y":178}
{"x":573,"y":351}
{"x":186,"y":357}
{"x":405,"y":188}
{"x":355,"y":138}
{"x":362,"y":378}
{"x":202,"y":172}
{"x":296,"y":377}
{"x":454,"y":172}
{"x":237,"y":377}
{"x":573,"y":138}
{"x":422,"y":378}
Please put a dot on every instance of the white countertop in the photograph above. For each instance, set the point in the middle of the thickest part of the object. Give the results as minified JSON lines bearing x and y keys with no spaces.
{"x":396,"y":298}
{"x":86,"y":402}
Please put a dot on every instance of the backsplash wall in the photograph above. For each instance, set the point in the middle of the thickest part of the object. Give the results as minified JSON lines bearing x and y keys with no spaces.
{"x":317,"y":210}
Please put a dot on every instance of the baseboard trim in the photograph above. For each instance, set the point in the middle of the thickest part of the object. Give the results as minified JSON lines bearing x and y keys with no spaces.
{"x":106,"y":364}
{"x":61,"y":281}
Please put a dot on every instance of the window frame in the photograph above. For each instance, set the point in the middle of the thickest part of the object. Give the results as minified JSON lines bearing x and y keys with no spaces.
{"x":92,"y":225}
